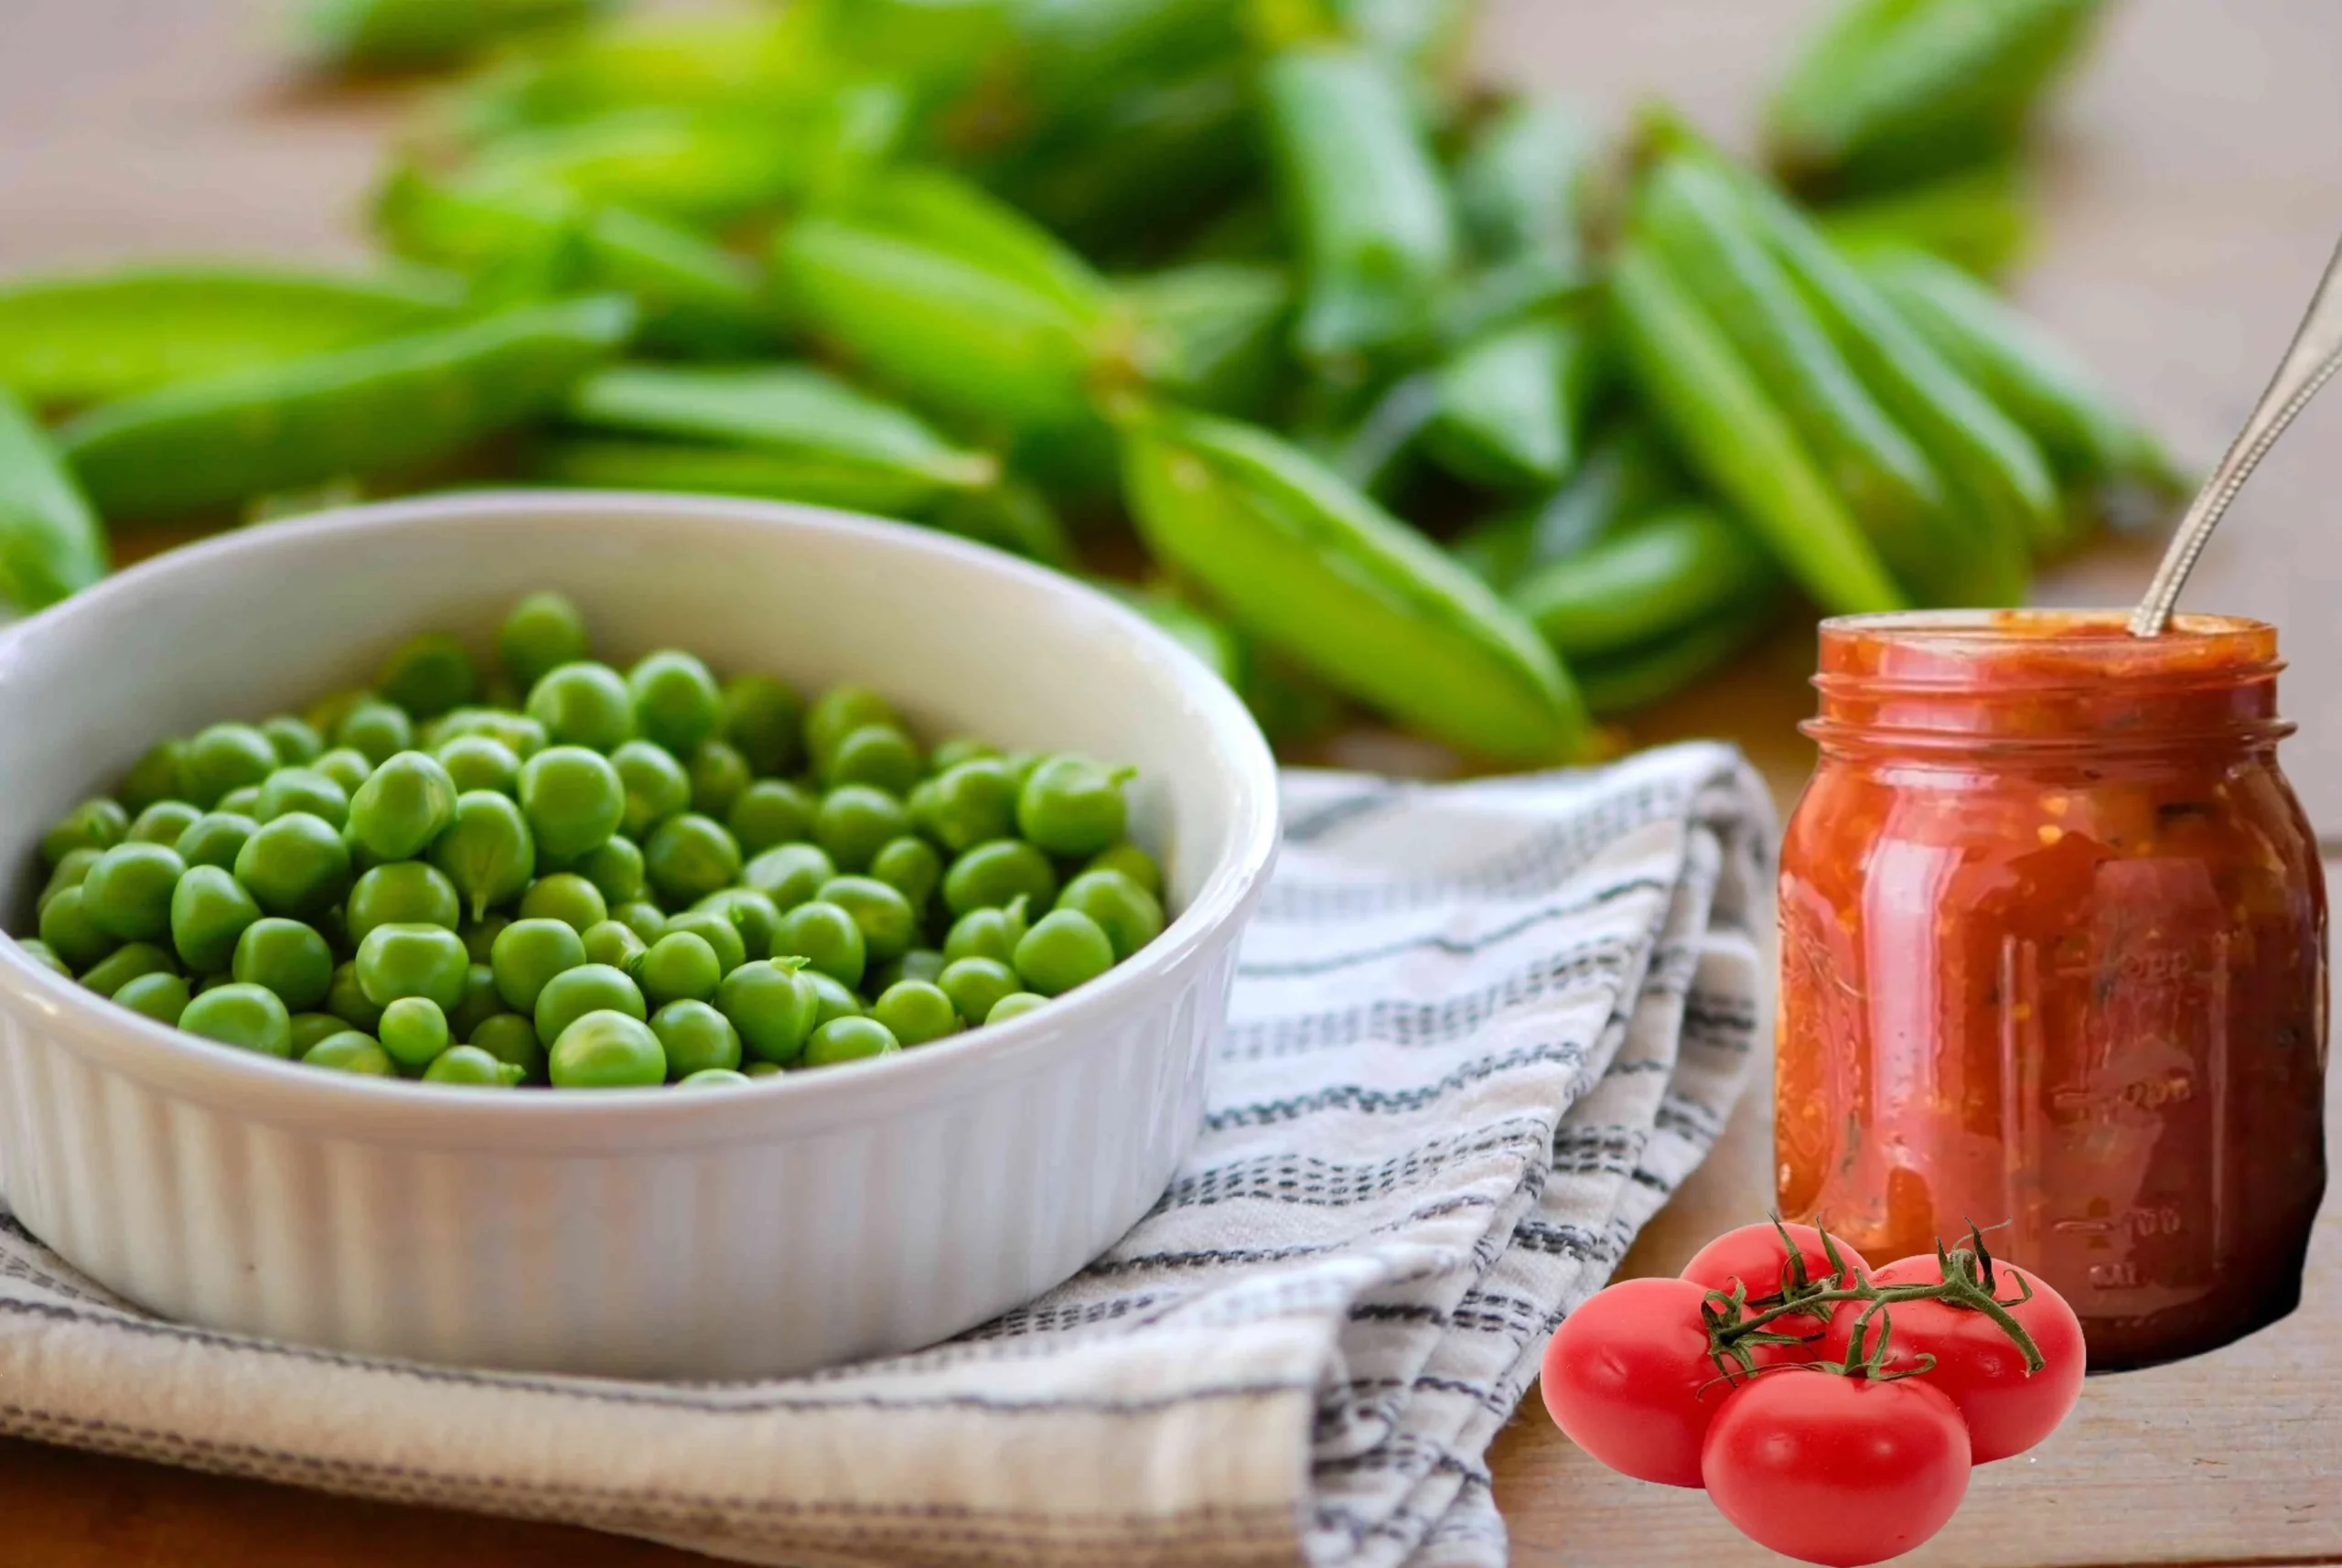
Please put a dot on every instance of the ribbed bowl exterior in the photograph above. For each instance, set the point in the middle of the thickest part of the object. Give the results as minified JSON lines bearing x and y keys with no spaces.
{"x":789,"y":1225}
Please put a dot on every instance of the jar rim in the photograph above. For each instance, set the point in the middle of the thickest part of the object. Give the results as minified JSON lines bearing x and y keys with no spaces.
{"x":2034,"y":650}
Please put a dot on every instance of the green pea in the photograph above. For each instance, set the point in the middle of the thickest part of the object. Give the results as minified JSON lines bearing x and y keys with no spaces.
{"x":404,"y":804}
{"x":678,"y":967}
{"x":656,"y":787}
{"x":612,"y":942}
{"x":69,"y":933}
{"x":248,"y":1016}
{"x":827,"y":937}
{"x":538,"y":635}
{"x":880,"y":755}
{"x":914,"y":1012}
{"x":1129,"y":915}
{"x":975,"y":987}
{"x":909,"y":865}
{"x":345,"y":765}
{"x":719,"y":775}
{"x":309,"y":1028}
{"x":210,"y":911}
{"x":696,"y":1038}
{"x":573,"y":799}
{"x":528,"y":954}
{"x":487,"y":850}
{"x":69,"y":872}
{"x":471,"y":1068}
{"x":406,"y":892}
{"x":888,"y":923}
{"x":919,"y":964}
{"x":301,"y":789}
{"x":1014,"y":1006}
{"x":295,"y":865}
{"x":690,"y":856}
{"x":288,"y":958}
{"x":414,"y":1031}
{"x":584,"y":704}
{"x":849,"y":1040}
{"x":243,"y":802}
{"x":376,"y":729}
{"x":1131,"y":862}
{"x":297,"y":742}
{"x":615,"y":868}
{"x":855,"y":821}
{"x":95,"y":824}
{"x":715,"y":928}
{"x":480,"y":1002}
{"x":788,"y":874}
{"x":476,"y":762}
{"x":509,"y":1037}
{"x":770,"y":811}
{"x":774,"y":1005}
{"x":1021,"y":764}
{"x":126,"y":963}
{"x":160,"y":996}
{"x":400,"y":960}
{"x":714,"y":1077}
{"x":515,"y":732}
{"x":973,"y":803}
{"x":644,"y":919}
{"x":216,"y":838}
{"x":992,"y":875}
{"x":41,"y":953}
{"x":351,"y":1051}
{"x":479,"y":936}
{"x":676,"y":703}
{"x":428,"y":675}
{"x":589,"y":988}
{"x":155,"y":777}
{"x":954,"y":750}
{"x":346,"y":999}
{"x":838,"y":713}
{"x":1072,"y":806}
{"x":223,"y":757}
{"x":607,"y":1049}
{"x":1064,"y":949}
{"x":325,"y":715}
{"x":127,"y":893}
{"x":833,"y":998}
{"x":763,"y":718}
{"x":756,"y":1070}
{"x":988,"y":933}
{"x":162,"y":823}
{"x":754,"y":916}
{"x":564,"y":896}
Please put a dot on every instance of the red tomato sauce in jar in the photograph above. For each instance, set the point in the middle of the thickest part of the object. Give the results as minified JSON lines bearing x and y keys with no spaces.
{"x":2053,"y":958}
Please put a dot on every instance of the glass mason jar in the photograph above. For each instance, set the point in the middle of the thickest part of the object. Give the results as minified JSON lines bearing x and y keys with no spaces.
{"x":2052,"y":959}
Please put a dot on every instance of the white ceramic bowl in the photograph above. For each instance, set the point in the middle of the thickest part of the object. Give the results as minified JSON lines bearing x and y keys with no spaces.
{"x":806,"y":1221}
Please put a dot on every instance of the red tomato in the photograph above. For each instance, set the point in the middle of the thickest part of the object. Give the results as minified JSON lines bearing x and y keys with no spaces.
{"x":1978,"y":1366}
{"x":1836,"y":1470}
{"x":1753,"y":1255}
{"x":1627,"y":1376}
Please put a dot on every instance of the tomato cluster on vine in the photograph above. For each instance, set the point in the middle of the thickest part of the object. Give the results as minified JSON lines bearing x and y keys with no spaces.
{"x":1831,"y":1411}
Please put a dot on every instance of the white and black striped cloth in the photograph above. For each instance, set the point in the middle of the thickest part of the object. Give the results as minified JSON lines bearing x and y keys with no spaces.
{"x":1480,"y":1031}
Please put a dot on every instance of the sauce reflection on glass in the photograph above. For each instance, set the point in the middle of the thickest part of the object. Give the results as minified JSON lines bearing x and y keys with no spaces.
{"x":2053,"y":953}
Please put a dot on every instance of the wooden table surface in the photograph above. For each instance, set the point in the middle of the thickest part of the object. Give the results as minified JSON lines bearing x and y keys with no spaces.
{"x":2192,"y":193}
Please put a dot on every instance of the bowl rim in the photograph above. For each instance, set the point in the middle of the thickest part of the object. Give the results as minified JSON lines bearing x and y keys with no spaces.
{"x":281,"y":1090}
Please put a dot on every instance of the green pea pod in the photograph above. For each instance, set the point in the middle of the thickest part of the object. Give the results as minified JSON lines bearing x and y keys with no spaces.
{"x":1670,"y":571}
{"x":1898,"y":90}
{"x":383,"y":407}
{"x":1626,"y":473}
{"x":50,"y":542}
{"x":608,"y":462}
{"x":1206,"y":636}
{"x":695,"y":297}
{"x":1513,"y":406}
{"x":1624,"y":683}
{"x":91,"y":338}
{"x":1221,"y":327}
{"x":2088,"y":438}
{"x":1693,"y":219}
{"x":1519,"y":184}
{"x":1363,"y":198}
{"x":1989,"y":462}
{"x":1978,"y":219}
{"x":1373,"y":453}
{"x":726,"y":60}
{"x":406,"y":35}
{"x":1735,"y":439}
{"x":1306,"y":564}
{"x":700,"y":167}
{"x":1073,"y":56}
{"x":946,"y":214}
{"x":932,"y":41}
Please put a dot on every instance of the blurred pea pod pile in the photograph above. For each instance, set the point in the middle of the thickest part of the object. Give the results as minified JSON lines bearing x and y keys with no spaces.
{"x":1375,"y":385}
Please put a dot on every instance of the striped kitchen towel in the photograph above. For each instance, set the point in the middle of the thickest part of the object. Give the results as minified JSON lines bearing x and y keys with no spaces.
{"x":1480,"y":1031}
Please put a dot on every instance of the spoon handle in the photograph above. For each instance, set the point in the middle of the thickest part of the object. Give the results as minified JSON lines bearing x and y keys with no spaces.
{"x":2309,"y":364}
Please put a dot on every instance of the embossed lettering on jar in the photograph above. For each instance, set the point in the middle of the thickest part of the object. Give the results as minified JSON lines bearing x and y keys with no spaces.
{"x":2053,"y":953}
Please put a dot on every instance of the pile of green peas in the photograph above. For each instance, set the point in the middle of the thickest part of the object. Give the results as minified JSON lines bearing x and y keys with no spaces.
{"x":621,"y":878}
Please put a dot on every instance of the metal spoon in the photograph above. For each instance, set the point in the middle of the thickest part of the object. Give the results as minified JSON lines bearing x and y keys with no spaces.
{"x":2309,"y":364}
